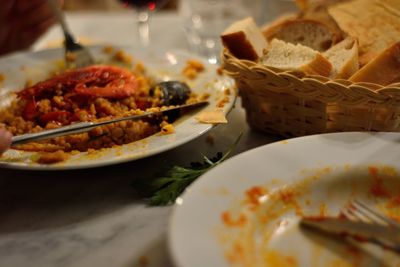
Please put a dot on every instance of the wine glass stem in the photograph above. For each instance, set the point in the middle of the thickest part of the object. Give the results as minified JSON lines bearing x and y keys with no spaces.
{"x":143,"y":28}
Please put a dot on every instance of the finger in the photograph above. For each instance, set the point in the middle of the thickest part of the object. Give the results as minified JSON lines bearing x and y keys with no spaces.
{"x":34,"y":22}
{"x":24,"y":6}
{"x":5,"y":140}
{"x":35,"y":16}
{"x":31,"y":34}
{"x":6,"y":8}
{"x":23,"y":39}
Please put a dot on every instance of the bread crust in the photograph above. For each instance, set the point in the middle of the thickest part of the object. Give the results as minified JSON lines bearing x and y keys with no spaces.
{"x":279,"y":29}
{"x":344,"y":57}
{"x":239,"y":46}
{"x":319,"y":66}
{"x":244,"y":39}
{"x":383,"y":70}
{"x":375,"y":23}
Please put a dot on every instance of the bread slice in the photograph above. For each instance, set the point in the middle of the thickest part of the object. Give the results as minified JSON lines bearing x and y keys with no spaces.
{"x":375,"y":23}
{"x":277,"y":22}
{"x":317,"y":4}
{"x":244,"y":39}
{"x":287,"y":56}
{"x":311,"y":33}
{"x":383,"y":70}
{"x":344,"y":58}
{"x":318,"y":10}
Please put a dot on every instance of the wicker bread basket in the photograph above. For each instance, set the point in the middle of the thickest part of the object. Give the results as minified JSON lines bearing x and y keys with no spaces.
{"x":291,"y":104}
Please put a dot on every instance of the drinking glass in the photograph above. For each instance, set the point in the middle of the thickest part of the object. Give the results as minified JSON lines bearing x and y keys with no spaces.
{"x":144,"y":9}
{"x":205,"y":20}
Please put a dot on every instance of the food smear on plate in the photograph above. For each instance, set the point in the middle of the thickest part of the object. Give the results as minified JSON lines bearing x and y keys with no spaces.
{"x":94,"y":93}
{"x":261,"y":228}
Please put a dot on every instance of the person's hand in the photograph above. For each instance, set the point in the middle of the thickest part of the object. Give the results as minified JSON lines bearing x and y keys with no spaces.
{"x":22,"y":23}
{"x":5,"y":140}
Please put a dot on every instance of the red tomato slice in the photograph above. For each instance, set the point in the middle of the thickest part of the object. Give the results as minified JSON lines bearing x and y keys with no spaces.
{"x":56,"y":116}
{"x":30,"y":112}
{"x":97,"y":80}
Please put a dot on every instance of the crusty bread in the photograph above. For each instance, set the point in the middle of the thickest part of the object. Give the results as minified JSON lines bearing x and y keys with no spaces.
{"x":316,"y":4}
{"x":287,"y":56}
{"x":311,"y":33}
{"x":344,"y":58}
{"x":272,"y":25}
{"x":375,"y":23}
{"x":318,"y":10}
{"x":383,"y":70}
{"x":244,"y":39}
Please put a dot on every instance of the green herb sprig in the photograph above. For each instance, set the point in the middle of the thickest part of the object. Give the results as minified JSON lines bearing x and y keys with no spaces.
{"x":168,"y":187}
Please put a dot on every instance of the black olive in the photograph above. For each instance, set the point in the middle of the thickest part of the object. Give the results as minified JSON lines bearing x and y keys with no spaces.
{"x":171,"y":92}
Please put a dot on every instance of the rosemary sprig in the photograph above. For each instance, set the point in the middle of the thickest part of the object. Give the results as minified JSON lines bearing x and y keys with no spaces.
{"x":173,"y":182}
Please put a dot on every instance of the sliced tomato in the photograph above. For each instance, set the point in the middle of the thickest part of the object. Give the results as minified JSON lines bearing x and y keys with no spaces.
{"x":56,"y":116}
{"x":97,"y":80}
{"x":120,"y":88}
{"x":30,"y":112}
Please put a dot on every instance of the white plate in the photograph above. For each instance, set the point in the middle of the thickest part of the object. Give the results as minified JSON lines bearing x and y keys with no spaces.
{"x":215,"y":224}
{"x":163,"y":65}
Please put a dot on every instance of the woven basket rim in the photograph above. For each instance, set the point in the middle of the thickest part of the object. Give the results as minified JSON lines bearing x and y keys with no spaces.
{"x":250,"y":70}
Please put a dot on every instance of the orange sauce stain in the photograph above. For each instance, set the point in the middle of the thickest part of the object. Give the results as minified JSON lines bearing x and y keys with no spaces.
{"x":326,"y":170}
{"x":288,"y":197}
{"x":393,"y":202}
{"x":253,"y":196}
{"x":323,"y":210}
{"x":377,"y":188}
{"x":284,"y":142}
{"x":227,"y":219}
{"x":339,"y":263}
{"x":274,"y":258}
{"x":393,"y":216}
{"x":236,"y":254}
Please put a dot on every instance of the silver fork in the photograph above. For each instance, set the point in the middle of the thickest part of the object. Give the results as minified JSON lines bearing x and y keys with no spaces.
{"x":358,"y":211}
{"x":76,"y":55}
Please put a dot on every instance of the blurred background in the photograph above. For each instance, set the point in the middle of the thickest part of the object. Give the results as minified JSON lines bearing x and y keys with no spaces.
{"x":105,"y":5}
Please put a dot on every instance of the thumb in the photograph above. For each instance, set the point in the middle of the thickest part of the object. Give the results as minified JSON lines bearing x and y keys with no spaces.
{"x":5,"y":140}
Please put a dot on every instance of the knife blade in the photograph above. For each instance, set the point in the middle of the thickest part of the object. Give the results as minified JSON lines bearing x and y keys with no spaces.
{"x":384,"y":235}
{"x":87,"y":126}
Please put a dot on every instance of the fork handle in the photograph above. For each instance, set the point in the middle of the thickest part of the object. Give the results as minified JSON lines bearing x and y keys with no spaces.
{"x":61,"y":19}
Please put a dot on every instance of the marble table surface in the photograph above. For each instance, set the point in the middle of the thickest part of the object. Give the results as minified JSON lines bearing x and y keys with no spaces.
{"x":96,"y":217}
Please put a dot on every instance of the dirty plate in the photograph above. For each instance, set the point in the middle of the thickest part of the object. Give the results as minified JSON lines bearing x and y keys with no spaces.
{"x":246,"y":211}
{"x":19,"y":68}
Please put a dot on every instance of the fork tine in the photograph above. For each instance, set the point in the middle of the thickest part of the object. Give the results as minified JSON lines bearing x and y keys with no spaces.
{"x":83,"y":58}
{"x":82,"y":54}
{"x":375,"y":216}
{"x":352,"y":213}
{"x":368,"y":216}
